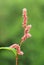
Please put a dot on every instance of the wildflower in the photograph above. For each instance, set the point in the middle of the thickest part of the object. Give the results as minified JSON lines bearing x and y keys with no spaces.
{"x":26,"y":27}
{"x":17,"y":47}
{"x":24,"y":24}
{"x":25,"y":37}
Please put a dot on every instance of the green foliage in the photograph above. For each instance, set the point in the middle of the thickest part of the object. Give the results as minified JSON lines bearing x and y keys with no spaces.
{"x":7,"y":55}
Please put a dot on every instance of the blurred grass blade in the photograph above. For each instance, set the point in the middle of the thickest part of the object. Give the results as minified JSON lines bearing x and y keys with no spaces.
{"x":8,"y":48}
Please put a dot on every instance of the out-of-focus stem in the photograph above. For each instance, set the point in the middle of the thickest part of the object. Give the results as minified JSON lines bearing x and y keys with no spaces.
{"x":8,"y":48}
{"x":5,"y":48}
{"x":17,"y":59}
{"x":20,"y":43}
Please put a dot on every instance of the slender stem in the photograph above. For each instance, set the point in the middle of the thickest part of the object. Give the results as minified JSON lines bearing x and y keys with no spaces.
{"x":17,"y":53}
{"x":20,"y":43}
{"x":17,"y":59}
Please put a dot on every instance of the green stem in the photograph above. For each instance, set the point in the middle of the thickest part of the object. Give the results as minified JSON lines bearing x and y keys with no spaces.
{"x":8,"y":48}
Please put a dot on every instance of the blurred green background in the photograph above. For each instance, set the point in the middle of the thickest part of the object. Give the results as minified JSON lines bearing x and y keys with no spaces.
{"x":11,"y":31}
